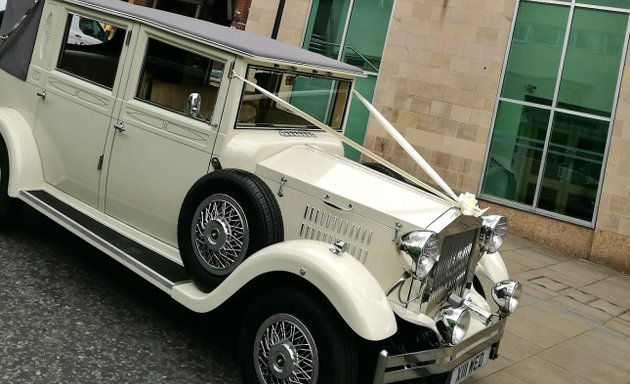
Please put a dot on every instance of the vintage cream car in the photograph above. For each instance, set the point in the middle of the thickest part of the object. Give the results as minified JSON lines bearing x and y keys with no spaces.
{"x":209,"y":161}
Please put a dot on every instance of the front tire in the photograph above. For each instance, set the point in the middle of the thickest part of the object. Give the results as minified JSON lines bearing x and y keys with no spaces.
{"x":226,"y":216}
{"x":292,"y":336}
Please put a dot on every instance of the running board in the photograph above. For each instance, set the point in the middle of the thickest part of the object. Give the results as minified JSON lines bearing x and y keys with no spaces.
{"x":163,"y":271}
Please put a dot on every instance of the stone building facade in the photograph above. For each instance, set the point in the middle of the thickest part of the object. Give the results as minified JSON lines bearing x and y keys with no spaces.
{"x":439,"y":82}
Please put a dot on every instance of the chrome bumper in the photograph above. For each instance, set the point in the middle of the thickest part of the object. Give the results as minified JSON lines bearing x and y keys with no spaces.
{"x":392,"y":369}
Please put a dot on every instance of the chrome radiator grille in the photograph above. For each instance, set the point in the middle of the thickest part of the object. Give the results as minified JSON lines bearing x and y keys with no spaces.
{"x":451,"y":272}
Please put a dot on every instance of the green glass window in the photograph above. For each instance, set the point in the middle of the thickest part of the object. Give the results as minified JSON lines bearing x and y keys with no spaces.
{"x":573,"y":166}
{"x":556,"y":105}
{"x":590,"y":72}
{"x":352,"y":31}
{"x":534,"y":57}
{"x":327,"y":27}
{"x":366,"y":34}
{"x":515,"y":153}
{"x":625,"y":4}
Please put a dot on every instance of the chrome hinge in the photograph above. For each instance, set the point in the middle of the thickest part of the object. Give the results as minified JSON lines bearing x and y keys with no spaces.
{"x":283,"y":181}
{"x":397,"y":231}
{"x":120,"y":126}
{"x":99,"y":166}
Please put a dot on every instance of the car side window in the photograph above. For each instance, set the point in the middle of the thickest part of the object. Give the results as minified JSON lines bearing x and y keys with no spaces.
{"x":91,"y":50}
{"x":170,"y":74}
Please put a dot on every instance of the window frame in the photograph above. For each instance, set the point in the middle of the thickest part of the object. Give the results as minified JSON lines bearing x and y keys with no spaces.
{"x":308,"y":127}
{"x":554,"y":109}
{"x":210,"y":55}
{"x":69,"y":14}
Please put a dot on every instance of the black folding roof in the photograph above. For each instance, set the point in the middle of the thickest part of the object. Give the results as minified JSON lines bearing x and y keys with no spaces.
{"x":234,"y":40}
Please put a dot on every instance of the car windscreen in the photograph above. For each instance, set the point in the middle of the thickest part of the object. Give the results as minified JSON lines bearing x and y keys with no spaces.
{"x":324,"y":98}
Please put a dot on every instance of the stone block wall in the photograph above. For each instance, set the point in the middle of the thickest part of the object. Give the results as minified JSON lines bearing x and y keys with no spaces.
{"x":262,"y":15}
{"x":438,"y":83}
{"x":611,"y":242}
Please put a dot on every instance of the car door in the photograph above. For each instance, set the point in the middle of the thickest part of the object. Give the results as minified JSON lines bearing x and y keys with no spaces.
{"x":78,"y":101}
{"x":158,"y":151}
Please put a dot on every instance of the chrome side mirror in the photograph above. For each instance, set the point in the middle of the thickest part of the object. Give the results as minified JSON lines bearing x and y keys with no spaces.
{"x":193,"y":105}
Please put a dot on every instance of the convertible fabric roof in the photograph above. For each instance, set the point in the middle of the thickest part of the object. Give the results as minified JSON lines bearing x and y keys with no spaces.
{"x":16,"y":51}
{"x":237,"y":41}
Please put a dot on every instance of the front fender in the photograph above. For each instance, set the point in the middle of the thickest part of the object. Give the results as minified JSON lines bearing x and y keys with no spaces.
{"x":25,"y":163}
{"x":492,"y":265}
{"x":347,"y":284}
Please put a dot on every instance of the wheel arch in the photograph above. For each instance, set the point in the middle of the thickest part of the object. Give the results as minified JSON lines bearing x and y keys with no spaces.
{"x":344,"y":282}
{"x":24,"y":161}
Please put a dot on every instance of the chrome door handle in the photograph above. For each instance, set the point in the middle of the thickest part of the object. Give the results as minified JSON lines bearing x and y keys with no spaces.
{"x":42,"y":94}
{"x":327,"y":201}
{"x":120,"y":127}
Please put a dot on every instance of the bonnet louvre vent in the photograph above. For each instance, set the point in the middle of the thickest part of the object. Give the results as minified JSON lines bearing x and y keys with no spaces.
{"x":323,"y":226}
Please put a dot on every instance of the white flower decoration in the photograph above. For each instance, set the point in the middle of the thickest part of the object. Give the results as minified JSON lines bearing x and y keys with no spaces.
{"x":469,"y":205}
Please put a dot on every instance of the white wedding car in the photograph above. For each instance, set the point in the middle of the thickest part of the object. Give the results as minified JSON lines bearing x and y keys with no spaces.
{"x":208,"y":161}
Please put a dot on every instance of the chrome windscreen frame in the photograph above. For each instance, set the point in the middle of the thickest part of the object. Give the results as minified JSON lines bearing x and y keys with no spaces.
{"x":396,"y":368}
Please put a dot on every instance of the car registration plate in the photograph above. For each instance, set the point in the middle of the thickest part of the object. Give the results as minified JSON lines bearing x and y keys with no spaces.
{"x":470,"y":366}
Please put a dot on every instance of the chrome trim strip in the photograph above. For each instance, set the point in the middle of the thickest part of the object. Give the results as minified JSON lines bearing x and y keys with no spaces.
{"x":435,"y":361}
{"x":88,"y":235}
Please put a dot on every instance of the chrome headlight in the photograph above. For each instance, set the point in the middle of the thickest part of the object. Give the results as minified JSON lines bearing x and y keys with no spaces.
{"x":493,"y":231}
{"x":452,"y":323}
{"x":420,"y":251}
{"x":507,"y":294}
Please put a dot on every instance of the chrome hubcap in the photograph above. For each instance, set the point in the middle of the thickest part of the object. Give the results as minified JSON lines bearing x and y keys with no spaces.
{"x":282,"y":359}
{"x":285,"y":352}
{"x":220,"y":234}
{"x":216,"y":233}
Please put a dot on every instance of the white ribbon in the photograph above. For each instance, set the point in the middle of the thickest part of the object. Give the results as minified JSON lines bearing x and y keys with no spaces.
{"x":465,"y":201}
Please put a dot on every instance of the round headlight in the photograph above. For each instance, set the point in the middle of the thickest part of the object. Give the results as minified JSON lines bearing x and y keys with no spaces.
{"x":452,"y":323}
{"x":493,"y":231}
{"x":507,"y":294}
{"x":420,"y":251}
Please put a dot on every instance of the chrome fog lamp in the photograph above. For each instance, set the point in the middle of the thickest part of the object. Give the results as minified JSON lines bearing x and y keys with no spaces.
{"x":507,"y":294}
{"x":452,"y":323}
{"x":420,"y":251}
{"x":493,"y":231}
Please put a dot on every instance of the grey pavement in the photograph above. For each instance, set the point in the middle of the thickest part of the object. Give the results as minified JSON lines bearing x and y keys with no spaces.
{"x":70,"y":314}
{"x":573,"y":325}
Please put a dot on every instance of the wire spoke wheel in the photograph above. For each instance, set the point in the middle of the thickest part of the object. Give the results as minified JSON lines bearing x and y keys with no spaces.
{"x":220,"y":234}
{"x":285,"y":352}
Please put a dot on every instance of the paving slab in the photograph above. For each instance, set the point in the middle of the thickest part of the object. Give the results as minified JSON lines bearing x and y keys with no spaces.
{"x":614,"y":289}
{"x":582,"y":309}
{"x":538,"y":370}
{"x":578,"y":295}
{"x":607,"y":307}
{"x":582,"y":270}
{"x":515,"y":268}
{"x":619,"y":326}
{"x":573,"y":325}
{"x":515,"y":242}
{"x":515,"y":348}
{"x":592,"y":367}
{"x":493,"y":366}
{"x":604,"y":346}
{"x":545,"y":327}
{"x":529,"y":258}
{"x":501,"y":377}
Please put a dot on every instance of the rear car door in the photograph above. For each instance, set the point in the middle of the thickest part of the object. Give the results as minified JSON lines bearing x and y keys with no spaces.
{"x":79,"y":99}
{"x":159,"y":151}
